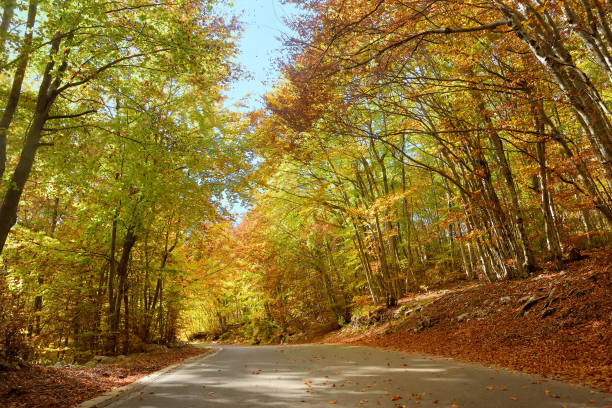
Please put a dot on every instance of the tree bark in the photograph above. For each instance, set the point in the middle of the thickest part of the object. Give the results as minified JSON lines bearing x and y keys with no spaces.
{"x":122,"y":271}
{"x":15,"y":92}
{"x":545,"y":42}
{"x":552,"y":241}
{"x":7,"y":17}
{"x":523,"y":240}
{"x":47,"y":94}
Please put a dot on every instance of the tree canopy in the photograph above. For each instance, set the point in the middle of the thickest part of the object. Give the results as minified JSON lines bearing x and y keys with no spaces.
{"x":406,"y":144}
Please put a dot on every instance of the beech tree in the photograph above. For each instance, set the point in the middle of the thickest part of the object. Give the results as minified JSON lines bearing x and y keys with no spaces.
{"x":117,"y":157}
{"x":426,"y":142}
{"x":406,"y":144}
{"x":82,"y":47}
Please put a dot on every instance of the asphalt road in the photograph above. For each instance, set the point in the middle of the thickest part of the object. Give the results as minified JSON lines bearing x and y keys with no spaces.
{"x":344,"y":376}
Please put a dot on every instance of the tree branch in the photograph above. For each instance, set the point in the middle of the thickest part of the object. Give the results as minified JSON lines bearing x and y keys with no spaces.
{"x":445,"y":30}
{"x":75,"y":115}
{"x":105,"y":67}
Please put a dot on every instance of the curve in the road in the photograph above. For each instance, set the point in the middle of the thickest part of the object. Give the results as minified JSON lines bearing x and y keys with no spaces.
{"x":345,"y":376}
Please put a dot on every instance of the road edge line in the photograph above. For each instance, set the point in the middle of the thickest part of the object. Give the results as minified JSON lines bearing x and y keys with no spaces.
{"x":109,"y":397}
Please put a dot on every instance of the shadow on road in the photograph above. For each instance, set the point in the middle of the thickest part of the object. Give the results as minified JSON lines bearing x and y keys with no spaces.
{"x":318,"y":375}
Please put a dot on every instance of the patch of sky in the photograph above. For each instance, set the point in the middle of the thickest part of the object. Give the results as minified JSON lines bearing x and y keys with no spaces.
{"x":264,"y":24}
{"x":261,"y":43}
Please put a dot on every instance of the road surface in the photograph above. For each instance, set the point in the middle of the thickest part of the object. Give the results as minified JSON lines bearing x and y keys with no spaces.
{"x":346,"y":376}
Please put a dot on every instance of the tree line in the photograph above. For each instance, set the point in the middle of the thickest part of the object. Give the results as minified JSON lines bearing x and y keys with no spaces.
{"x":415,"y":142}
{"x":114,"y":152}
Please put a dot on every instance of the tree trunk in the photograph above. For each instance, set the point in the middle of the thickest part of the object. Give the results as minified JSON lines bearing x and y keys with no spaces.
{"x":549,"y":223}
{"x":111,"y":272}
{"x":15,"y":93}
{"x":47,"y":94}
{"x":546,"y":44}
{"x":7,"y":16}
{"x":122,"y":271}
{"x":523,"y":240}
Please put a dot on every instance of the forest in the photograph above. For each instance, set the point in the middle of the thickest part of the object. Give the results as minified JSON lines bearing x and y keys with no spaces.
{"x":456,"y":141}
{"x":406,"y":145}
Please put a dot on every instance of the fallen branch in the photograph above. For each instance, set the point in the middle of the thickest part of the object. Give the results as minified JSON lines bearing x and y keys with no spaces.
{"x":528,"y":305}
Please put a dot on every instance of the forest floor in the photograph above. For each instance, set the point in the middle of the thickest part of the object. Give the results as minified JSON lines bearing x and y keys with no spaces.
{"x":556,"y":324}
{"x":46,"y":387}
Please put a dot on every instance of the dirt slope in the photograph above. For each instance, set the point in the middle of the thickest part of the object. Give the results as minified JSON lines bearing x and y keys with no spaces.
{"x":556,"y":324}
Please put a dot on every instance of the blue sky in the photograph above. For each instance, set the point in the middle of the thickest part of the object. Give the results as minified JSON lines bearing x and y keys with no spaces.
{"x":260,"y":44}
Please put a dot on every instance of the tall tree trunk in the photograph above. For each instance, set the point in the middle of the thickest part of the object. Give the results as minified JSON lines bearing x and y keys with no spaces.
{"x":126,"y":324}
{"x":112,"y":268}
{"x":523,"y":240}
{"x":552,"y":241}
{"x":159,"y":284}
{"x":15,"y":92}
{"x":7,"y":17}
{"x":525,"y":256}
{"x":47,"y":94}
{"x":545,"y":42}
{"x":122,"y":271}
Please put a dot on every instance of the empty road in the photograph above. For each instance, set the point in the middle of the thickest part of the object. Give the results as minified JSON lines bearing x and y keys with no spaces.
{"x":345,"y":376}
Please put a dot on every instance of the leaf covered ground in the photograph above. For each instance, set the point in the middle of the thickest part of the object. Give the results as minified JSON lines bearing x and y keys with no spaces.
{"x":565,"y":334}
{"x":47,"y":387}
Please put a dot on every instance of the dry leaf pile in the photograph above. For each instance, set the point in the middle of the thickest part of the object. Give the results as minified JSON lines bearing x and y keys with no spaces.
{"x":556,"y":324}
{"x":47,"y":387}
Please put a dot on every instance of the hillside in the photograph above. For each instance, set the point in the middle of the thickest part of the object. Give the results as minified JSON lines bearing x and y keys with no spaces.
{"x":556,"y":324}
{"x":429,"y":176}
